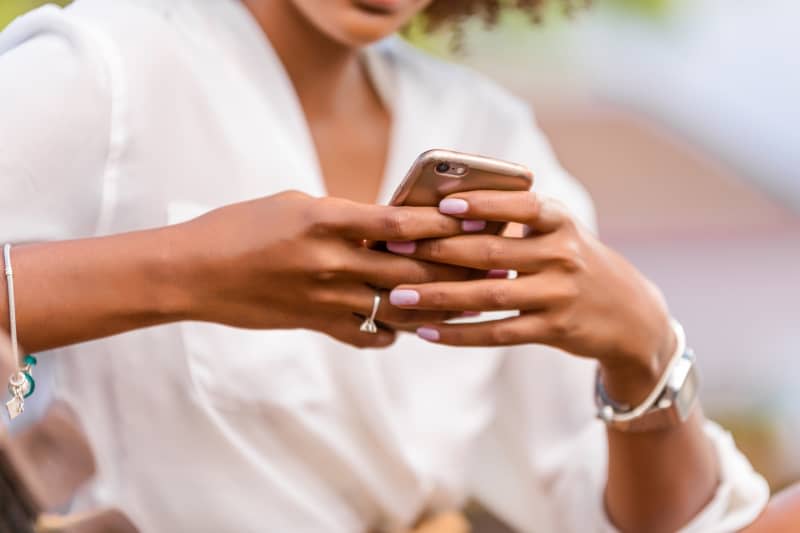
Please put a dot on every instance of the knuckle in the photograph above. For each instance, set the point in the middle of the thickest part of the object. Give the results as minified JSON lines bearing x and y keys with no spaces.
{"x":324,"y":297}
{"x":325,"y":215}
{"x":435,"y":248}
{"x":567,"y":220}
{"x":326,"y":265}
{"x":397,"y":224}
{"x":293,"y":194}
{"x":483,"y":203}
{"x":435,"y":298}
{"x":421,"y":274}
{"x":495,"y":253}
{"x":447,"y":273}
{"x":503,"y":335}
{"x":568,"y":292}
{"x":569,"y":258}
{"x":447,"y":225}
{"x":560,"y":326}
{"x":498,"y":297}
{"x":531,"y":204}
{"x":325,"y":275}
{"x":320,"y":216}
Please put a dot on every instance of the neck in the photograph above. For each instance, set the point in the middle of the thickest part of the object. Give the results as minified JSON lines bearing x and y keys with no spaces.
{"x":322,"y":70}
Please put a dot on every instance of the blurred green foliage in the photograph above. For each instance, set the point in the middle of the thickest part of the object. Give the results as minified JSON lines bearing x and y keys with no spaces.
{"x":10,"y":9}
{"x":647,"y":7}
{"x":514,"y":23}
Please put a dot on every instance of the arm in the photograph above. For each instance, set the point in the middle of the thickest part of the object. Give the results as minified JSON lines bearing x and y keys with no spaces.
{"x":577,"y":295}
{"x":90,"y":288}
{"x":225,"y":267}
{"x":782,"y":515}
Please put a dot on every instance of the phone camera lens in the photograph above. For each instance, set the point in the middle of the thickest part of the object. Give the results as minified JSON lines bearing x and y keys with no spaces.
{"x":442,"y":167}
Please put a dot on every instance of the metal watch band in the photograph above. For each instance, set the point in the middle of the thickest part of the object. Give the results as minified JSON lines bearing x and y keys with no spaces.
{"x":669,"y":404}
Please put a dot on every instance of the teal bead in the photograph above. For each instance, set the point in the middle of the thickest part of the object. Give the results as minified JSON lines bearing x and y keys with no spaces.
{"x":31,"y":385}
{"x":30,"y":360}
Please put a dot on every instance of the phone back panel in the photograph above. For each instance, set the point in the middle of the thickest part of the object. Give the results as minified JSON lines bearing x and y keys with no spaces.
{"x":426,"y":184}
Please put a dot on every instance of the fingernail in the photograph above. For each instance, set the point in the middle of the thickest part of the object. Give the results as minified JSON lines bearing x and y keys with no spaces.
{"x":497,"y":274}
{"x":404,"y":297}
{"x":473,"y":225}
{"x":470,"y":314}
{"x":429,"y":334}
{"x":453,"y":206}
{"x":402,"y":247}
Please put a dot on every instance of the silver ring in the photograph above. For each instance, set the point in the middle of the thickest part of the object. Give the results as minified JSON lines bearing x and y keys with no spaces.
{"x":369,"y":326}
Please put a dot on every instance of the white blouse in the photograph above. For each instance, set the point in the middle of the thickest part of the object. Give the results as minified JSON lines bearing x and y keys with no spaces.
{"x":116,"y":116}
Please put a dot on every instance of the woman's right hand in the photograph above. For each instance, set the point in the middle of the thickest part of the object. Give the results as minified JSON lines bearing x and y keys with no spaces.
{"x":294,"y":261}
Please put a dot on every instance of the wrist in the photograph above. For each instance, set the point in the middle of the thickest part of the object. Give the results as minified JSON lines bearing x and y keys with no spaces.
{"x":175,"y":276}
{"x":631,"y":380}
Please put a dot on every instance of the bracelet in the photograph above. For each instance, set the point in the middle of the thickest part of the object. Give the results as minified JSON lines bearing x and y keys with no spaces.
{"x":21,"y":384}
{"x":670,"y":401}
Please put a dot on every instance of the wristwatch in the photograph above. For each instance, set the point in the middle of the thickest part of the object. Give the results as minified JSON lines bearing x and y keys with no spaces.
{"x":669,"y":404}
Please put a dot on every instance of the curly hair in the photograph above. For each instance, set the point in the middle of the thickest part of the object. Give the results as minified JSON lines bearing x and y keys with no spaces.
{"x":452,"y":12}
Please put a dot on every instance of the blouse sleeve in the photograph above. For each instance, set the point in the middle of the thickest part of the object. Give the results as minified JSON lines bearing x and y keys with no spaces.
{"x":542,"y":464}
{"x":55,"y":117}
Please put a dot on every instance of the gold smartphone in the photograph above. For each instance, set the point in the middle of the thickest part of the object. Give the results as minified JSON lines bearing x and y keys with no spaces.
{"x":439,"y":173}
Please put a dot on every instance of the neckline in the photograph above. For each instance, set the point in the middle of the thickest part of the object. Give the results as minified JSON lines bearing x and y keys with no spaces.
{"x":380,"y":73}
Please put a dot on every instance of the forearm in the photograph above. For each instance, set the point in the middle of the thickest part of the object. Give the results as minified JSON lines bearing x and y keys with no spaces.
{"x":657,"y":481}
{"x":74,"y":291}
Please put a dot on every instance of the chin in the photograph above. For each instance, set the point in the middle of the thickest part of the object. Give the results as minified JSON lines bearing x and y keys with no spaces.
{"x":356,"y":23}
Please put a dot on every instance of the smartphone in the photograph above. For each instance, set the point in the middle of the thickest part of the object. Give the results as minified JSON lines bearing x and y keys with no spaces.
{"x":439,"y":173}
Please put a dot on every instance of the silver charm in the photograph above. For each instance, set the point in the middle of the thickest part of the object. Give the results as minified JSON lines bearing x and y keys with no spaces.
{"x":16,"y":386}
{"x":15,"y":406}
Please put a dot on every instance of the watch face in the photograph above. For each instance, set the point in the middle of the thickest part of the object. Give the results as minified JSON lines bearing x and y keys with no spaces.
{"x":687,"y":395}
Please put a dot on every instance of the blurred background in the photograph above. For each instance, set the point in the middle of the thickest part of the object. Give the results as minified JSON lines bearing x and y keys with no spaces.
{"x":682,"y":119}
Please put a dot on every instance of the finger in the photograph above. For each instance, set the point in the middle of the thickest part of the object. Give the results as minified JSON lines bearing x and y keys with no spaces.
{"x":541,"y":214}
{"x":358,"y":221}
{"x":525,"y":293}
{"x":346,"y":329}
{"x":357,"y":298}
{"x":484,"y":252}
{"x":387,"y":271}
{"x":523,"y":329}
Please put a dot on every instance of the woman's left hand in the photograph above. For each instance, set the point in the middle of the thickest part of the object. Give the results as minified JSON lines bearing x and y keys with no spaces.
{"x":573,"y":292}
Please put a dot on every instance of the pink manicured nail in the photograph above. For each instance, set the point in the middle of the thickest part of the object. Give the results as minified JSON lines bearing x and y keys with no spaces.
{"x":429,"y":334}
{"x":402,"y":247}
{"x":470,"y":314}
{"x":453,"y":206}
{"x":497,"y":274}
{"x":473,"y":225}
{"x":404,"y":297}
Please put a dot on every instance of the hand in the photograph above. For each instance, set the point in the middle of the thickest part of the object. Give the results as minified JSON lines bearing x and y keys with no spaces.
{"x":572,"y":292}
{"x":293,"y":261}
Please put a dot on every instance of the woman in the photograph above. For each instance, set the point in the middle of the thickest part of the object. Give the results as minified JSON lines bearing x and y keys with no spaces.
{"x":147,"y":148}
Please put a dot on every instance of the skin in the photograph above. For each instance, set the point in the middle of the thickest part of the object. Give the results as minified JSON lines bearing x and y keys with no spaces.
{"x":574,"y":292}
{"x":782,"y":515}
